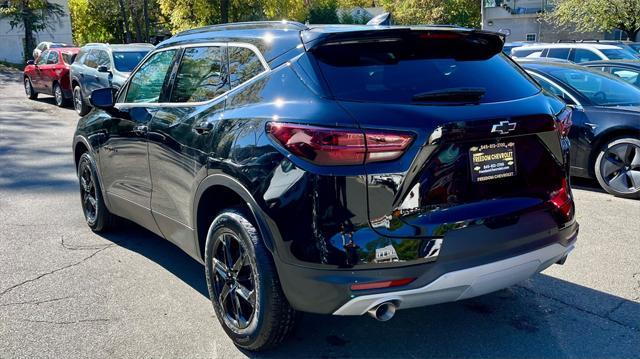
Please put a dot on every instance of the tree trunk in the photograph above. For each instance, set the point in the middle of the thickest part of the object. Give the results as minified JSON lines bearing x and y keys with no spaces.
{"x":125,"y":22}
{"x":135,"y":16}
{"x":28,"y":30}
{"x":145,"y":13}
{"x":224,"y":11}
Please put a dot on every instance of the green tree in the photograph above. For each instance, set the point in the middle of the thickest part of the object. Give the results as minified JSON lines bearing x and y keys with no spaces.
{"x":448,"y":12}
{"x":32,"y":16}
{"x":597,"y":15}
{"x":323,"y":12}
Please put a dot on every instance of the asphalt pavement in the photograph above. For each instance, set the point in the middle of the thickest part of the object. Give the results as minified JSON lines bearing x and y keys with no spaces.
{"x":66,"y":292}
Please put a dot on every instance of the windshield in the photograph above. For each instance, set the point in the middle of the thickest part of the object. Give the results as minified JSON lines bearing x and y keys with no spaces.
{"x":397,"y":71}
{"x":127,"y":61}
{"x":619,"y":54}
{"x":601,"y":89}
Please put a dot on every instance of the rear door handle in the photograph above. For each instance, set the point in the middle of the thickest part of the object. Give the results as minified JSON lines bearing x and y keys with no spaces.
{"x":141,"y":130}
{"x":203,"y":127}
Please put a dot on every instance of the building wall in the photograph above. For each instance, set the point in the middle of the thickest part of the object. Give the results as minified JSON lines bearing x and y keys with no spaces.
{"x":519,"y":25}
{"x":11,"y":49}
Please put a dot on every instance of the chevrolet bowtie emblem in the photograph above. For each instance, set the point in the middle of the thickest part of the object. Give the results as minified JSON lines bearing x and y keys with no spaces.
{"x":503,"y":128}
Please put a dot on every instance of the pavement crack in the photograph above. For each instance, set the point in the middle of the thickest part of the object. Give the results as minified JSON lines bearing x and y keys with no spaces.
{"x":605,"y":317}
{"x":34,"y":302}
{"x":68,"y":322}
{"x":7,"y":290}
{"x":72,"y":247}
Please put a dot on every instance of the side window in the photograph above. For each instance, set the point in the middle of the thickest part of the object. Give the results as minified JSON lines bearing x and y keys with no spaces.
{"x":52,"y":59}
{"x":559,"y":53}
{"x":82,"y":54}
{"x":630,"y":76}
{"x":146,"y":84}
{"x":554,"y":89}
{"x":201,"y":76}
{"x":90,"y":60}
{"x":42,"y":59}
{"x":583,"y":55}
{"x":243,"y":65}
{"x":102,"y":58}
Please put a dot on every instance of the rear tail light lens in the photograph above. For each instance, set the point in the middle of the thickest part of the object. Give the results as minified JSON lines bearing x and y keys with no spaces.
{"x":326,"y":146}
{"x":382,"y":284}
{"x":564,"y":122}
{"x":562,"y":200}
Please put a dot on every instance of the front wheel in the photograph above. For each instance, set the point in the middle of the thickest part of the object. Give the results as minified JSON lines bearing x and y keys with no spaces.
{"x":617,"y":167}
{"x":78,"y":102}
{"x":243,"y":284}
{"x":28,"y":89}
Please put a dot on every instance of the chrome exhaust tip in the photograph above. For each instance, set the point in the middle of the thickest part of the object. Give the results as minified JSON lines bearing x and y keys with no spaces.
{"x":383,"y":312}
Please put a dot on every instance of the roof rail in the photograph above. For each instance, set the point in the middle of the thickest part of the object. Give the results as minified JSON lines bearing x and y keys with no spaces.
{"x":244,"y":25}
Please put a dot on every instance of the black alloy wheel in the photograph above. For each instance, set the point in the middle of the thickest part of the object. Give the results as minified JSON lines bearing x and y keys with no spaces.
{"x":618,"y":168}
{"x":243,"y":283}
{"x":96,"y":214}
{"x":234,"y":280}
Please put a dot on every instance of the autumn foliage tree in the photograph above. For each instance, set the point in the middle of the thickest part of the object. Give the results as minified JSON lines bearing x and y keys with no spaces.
{"x":598,"y":15}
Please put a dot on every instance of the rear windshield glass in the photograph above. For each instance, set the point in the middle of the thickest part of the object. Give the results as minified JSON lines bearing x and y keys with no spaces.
{"x":615,"y":54}
{"x":396,"y":71}
{"x":127,"y":61}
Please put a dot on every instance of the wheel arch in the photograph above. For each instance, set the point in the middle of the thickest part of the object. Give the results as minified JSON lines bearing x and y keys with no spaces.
{"x":219,"y":191}
{"x":606,"y":137}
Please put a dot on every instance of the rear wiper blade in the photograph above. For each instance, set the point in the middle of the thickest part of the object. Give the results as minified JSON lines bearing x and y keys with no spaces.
{"x":457,"y":95}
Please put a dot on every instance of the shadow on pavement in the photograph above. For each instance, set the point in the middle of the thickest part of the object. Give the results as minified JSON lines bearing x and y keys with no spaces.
{"x":543,"y":317}
{"x":586,"y":184}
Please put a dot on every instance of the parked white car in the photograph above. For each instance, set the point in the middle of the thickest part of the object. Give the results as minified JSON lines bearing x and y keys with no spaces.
{"x":46,"y":45}
{"x":574,"y":52}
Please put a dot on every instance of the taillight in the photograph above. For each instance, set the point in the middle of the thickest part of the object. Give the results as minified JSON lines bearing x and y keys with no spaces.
{"x":564,"y":122}
{"x":562,"y":200}
{"x":382,"y":284}
{"x":327,"y":146}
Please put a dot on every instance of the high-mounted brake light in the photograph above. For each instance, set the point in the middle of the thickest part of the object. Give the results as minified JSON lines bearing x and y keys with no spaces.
{"x":327,"y":146}
{"x":564,"y":122}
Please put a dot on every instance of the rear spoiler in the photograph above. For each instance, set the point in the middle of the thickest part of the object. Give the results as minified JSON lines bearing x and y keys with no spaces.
{"x":487,"y":43}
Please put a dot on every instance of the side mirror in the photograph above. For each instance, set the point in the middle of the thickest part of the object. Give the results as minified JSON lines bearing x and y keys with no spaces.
{"x":102,"y":98}
{"x":31,"y":62}
{"x":103,"y":68}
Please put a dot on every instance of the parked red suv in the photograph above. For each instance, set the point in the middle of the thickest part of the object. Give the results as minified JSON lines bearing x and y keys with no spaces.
{"x":49,"y":74}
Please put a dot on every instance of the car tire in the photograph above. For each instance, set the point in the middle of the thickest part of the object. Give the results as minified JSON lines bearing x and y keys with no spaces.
{"x":58,"y":95}
{"x":28,"y":89}
{"x":244,"y":273}
{"x":78,"y":102}
{"x":617,"y":167}
{"x":96,"y":214}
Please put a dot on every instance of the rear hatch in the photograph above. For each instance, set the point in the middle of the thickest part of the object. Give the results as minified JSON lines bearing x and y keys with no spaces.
{"x":485,"y":142}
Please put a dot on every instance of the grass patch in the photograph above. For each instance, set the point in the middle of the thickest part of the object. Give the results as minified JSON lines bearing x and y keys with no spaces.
{"x":10,"y":66}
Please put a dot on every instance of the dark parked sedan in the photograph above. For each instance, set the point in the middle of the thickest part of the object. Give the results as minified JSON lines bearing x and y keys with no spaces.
{"x":627,"y":70}
{"x":605,"y":136}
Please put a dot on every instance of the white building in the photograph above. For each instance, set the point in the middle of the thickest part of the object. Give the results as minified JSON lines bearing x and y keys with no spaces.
{"x":361,"y":14}
{"x":11,"y":40}
{"x":521,"y":20}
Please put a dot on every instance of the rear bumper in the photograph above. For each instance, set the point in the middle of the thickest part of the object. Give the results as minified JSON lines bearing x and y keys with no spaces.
{"x":465,"y":283}
{"x":471,"y":263}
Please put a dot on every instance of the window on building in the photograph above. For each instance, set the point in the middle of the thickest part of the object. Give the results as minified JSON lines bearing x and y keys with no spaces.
{"x":531,"y":37}
{"x":202,"y":75}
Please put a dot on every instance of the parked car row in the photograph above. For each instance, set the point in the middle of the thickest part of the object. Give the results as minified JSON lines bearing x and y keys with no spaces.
{"x":70,"y":73}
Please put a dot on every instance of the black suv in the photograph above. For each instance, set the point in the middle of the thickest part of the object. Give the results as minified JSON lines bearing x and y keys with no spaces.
{"x":100,"y":66}
{"x":341,"y":170}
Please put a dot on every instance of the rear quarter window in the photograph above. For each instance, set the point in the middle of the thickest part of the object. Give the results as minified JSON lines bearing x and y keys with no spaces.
{"x":395,"y":72}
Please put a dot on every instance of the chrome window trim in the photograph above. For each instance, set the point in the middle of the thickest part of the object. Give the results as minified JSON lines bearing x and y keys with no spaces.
{"x":265,"y":65}
{"x":534,"y":74}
